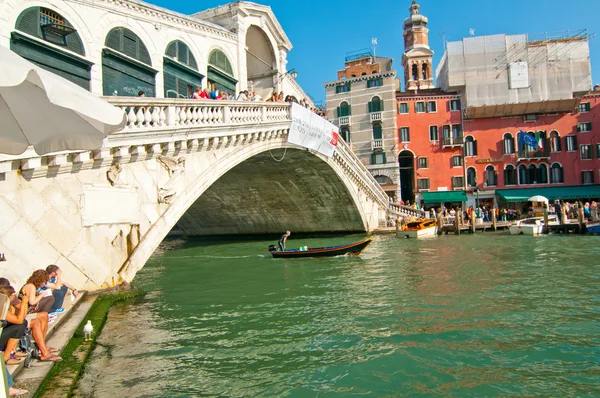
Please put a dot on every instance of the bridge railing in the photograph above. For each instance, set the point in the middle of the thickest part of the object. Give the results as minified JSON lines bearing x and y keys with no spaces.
{"x":159,"y":113}
{"x":396,"y":209}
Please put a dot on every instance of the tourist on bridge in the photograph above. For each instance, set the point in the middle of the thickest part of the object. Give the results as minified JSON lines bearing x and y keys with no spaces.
{"x":283,"y":240}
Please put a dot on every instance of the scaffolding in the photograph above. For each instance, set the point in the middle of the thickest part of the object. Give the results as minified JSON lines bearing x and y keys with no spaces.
{"x":504,"y":75}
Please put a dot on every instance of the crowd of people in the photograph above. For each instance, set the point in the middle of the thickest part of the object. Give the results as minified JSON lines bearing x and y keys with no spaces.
{"x":32,"y":308}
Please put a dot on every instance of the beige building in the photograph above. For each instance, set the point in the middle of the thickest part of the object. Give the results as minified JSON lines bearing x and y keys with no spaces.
{"x":362,"y":103}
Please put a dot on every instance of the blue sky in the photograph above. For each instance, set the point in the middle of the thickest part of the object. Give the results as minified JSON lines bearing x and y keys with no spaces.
{"x":322,"y":32}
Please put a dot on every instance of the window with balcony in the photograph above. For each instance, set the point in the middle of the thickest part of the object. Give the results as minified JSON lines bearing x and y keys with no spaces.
{"x":542,"y":174}
{"x":510,"y":175}
{"x":470,"y":146}
{"x":345,"y":133}
{"x":584,"y":107}
{"x":471,"y":177}
{"x":433,"y":134}
{"x":491,"y":177}
{"x":375,"y":82}
{"x":342,"y":88}
{"x":458,"y":182}
{"x":456,"y":161}
{"x":376,"y":105}
{"x":584,"y":127}
{"x":556,"y":174}
{"x":509,"y":144}
{"x":423,"y":183}
{"x":455,"y":105}
{"x":343,"y":109}
{"x":431,"y":106}
{"x":420,"y":107}
{"x":571,"y":143}
{"x":587,"y":177}
{"x":586,"y":152}
{"x":554,"y":141}
{"x":404,"y":134}
{"x":452,"y":135}
{"x":423,"y":163}
{"x":377,"y":131}
{"x":378,"y":157}
{"x":403,"y":108}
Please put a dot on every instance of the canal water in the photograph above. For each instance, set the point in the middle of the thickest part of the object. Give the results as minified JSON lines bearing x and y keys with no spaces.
{"x":471,"y":315}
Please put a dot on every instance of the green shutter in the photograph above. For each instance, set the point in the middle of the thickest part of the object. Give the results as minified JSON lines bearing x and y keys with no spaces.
{"x":125,"y":41}
{"x":29,"y":22}
{"x":125,"y":77}
{"x":170,"y":83}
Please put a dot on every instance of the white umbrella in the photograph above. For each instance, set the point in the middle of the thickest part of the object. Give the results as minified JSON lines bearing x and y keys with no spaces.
{"x":49,"y":112}
{"x":538,"y":198}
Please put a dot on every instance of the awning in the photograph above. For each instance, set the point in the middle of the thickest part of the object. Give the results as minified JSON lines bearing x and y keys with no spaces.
{"x":552,"y":193}
{"x":438,"y":197}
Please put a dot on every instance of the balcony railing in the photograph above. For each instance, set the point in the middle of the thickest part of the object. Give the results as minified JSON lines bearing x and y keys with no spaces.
{"x":344,"y":120}
{"x":375,"y":116}
{"x":452,"y":141}
{"x":533,"y":153}
{"x":377,"y":144}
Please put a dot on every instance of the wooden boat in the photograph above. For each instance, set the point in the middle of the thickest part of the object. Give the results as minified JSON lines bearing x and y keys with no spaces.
{"x":593,"y":227}
{"x":533,"y":226}
{"x":328,"y":251}
{"x":419,"y":229}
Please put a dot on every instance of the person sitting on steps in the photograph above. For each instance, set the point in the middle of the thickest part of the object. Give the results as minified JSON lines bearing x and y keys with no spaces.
{"x":15,"y":327}
{"x":59,"y":288}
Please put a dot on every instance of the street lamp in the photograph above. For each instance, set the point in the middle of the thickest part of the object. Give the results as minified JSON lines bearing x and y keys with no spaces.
{"x":292,"y":73}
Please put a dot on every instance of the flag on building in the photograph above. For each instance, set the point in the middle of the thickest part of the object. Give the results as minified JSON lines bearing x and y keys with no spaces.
{"x":540,"y":140}
{"x":527,"y":139}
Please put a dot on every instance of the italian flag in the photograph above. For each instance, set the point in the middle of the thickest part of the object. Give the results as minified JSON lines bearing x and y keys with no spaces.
{"x":540,"y":139}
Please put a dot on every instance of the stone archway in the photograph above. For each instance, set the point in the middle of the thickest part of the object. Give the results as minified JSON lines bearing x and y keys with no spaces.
{"x":261,"y":62}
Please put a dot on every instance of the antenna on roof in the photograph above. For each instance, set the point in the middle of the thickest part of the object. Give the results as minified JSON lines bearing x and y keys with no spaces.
{"x":443,"y":34}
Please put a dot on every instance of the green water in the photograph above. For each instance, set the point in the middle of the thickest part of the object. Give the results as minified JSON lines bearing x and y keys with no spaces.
{"x":475,"y":315}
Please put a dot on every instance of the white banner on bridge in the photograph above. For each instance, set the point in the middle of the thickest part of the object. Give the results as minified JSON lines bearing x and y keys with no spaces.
{"x":312,"y":131}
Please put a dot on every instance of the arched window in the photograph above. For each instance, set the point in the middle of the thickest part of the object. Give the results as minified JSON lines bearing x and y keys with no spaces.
{"x":376,"y":105}
{"x":59,"y":47}
{"x":120,"y":75}
{"x":523,"y":175}
{"x":471,"y":177}
{"x":364,"y":74}
{"x":415,"y":72}
{"x":554,"y":141}
{"x":344,"y":109}
{"x":509,"y":144}
{"x":377,"y":131}
{"x":470,"y":146}
{"x":525,"y":150}
{"x":181,"y":76}
{"x":532,"y":174}
{"x":384,"y":180}
{"x":556,"y":174}
{"x":542,"y":174}
{"x":374,"y":72}
{"x":345,"y":133}
{"x":491,"y":178}
{"x":220,"y":73}
{"x":510,"y":175}
{"x":425,"y":71}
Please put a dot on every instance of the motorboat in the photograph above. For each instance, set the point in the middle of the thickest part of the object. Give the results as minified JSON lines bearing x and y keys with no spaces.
{"x":419,"y":229}
{"x":532,"y":226}
{"x":593,"y":227}
{"x":328,"y":251}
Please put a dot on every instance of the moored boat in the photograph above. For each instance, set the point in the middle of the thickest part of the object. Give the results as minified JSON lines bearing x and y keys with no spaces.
{"x":593,"y":227}
{"x":328,"y":251}
{"x":419,"y":229}
{"x":532,"y":226}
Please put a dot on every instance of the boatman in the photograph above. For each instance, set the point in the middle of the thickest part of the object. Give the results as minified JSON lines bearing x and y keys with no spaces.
{"x":283,"y":239}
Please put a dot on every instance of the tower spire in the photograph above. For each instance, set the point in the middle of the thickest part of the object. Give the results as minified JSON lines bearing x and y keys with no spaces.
{"x":414,"y":8}
{"x":417,"y":58}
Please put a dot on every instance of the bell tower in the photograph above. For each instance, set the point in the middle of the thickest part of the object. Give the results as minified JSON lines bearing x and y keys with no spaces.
{"x":417,"y":58}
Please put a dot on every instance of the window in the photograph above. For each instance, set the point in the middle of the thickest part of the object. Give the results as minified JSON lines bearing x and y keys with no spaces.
{"x":583,"y":127}
{"x":446,"y":132}
{"x":420,"y":107}
{"x":509,"y":144}
{"x":343,"y":109}
{"x":491,"y":178}
{"x":523,"y":175}
{"x":571,"y":143}
{"x":457,"y":132}
{"x":375,"y":82}
{"x":377,"y":131}
{"x":470,"y":146}
{"x":510,"y":175}
{"x":342,"y":88}
{"x":423,"y":163}
{"x":404,"y":133}
{"x":554,"y":141}
{"x":378,"y":158}
{"x":423,"y":183}
{"x":587,"y":177}
{"x":584,"y":107}
{"x":455,"y":105}
{"x":542,"y":174}
{"x":598,"y":151}
{"x":458,"y":182}
{"x":345,"y":133}
{"x":471,"y":177}
{"x":586,"y":152}
{"x":403,"y":108}
{"x":376,"y":105}
{"x":456,"y":161}
{"x":433,"y":133}
{"x":432,"y":106}
{"x":556,"y":174}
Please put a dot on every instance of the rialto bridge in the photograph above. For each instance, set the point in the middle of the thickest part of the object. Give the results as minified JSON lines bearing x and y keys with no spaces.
{"x":209,"y":167}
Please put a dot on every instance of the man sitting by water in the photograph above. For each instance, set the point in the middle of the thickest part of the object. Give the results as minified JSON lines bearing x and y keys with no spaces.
{"x":283,"y":240}
{"x":59,"y":288}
